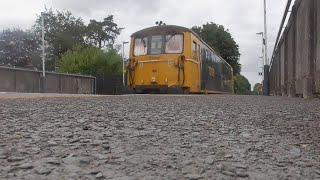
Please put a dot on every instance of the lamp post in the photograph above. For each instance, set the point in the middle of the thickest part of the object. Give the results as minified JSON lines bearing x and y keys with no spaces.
{"x":44,"y":83}
{"x":261,"y":34}
{"x":123,"y":61}
{"x":263,"y":54}
{"x":265,"y":40}
{"x":43,"y":44}
{"x":266,"y":62}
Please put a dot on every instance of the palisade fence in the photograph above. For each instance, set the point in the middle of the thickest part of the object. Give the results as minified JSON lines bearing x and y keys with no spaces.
{"x":295,"y":65}
{"x":30,"y":81}
{"x":111,"y":85}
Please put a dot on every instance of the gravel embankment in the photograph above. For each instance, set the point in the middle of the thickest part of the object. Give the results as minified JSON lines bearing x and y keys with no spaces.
{"x":159,"y":137}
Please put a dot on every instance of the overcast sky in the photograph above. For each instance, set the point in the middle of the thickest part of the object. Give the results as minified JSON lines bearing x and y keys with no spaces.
{"x":243,"y":18}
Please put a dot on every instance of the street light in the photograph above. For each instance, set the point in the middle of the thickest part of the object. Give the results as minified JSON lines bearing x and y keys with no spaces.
{"x":123,"y":66}
{"x":266,"y":88}
{"x":263,"y":54}
{"x":44,"y":83}
{"x":263,"y":42}
{"x":43,"y":47}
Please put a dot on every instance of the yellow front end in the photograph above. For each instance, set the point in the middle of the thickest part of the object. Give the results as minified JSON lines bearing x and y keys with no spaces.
{"x":155,"y":72}
{"x":177,"y":72}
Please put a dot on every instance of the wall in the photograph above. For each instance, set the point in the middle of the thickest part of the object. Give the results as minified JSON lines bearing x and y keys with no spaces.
{"x":295,"y":67}
{"x":29,"y":81}
{"x":317,"y":34}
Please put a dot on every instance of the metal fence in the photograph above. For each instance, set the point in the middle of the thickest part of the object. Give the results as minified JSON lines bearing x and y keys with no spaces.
{"x":295,"y":67}
{"x":30,"y":81}
{"x":111,"y":85}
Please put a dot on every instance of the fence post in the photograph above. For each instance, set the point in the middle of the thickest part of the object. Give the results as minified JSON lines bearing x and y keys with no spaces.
{"x":95,"y":85}
{"x":308,"y":85}
{"x":15,"y":80}
{"x":60,"y":85}
{"x":292,"y":90}
{"x":266,"y":89}
{"x":286,"y":68}
{"x":317,"y":46}
{"x":43,"y":84}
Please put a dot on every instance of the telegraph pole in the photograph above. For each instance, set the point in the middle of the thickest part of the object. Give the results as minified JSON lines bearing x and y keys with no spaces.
{"x":266,"y":90}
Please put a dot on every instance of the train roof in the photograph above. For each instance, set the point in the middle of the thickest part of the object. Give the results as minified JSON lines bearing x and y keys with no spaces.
{"x":165,"y":29}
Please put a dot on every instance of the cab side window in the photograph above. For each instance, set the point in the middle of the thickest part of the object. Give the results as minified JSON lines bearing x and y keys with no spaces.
{"x":195,"y":51}
{"x":198,"y":52}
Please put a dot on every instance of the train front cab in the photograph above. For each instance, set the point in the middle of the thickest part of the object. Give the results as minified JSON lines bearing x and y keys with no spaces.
{"x":165,"y":61}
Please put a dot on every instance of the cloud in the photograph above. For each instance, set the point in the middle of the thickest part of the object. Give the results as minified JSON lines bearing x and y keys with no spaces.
{"x":89,"y":7}
{"x":243,"y":18}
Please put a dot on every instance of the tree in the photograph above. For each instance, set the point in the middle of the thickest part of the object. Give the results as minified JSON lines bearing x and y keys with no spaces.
{"x":221,"y":41}
{"x":257,"y":89}
{"x":18,"y":48}
{"x":62,"y":32}
{"x":102,"y":34}
{"x":241,"y":85}
{"x":91,"y":61}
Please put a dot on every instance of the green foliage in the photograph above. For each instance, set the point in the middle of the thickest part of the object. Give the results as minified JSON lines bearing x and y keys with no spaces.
{"x":91,"y":61}
{"x":221,"y":40}
{"x":102,"y":33}
{"x":257,"y":89}
{"x":18,"y":47}
{"x":241,"y":85}
{"x":62,"y":32}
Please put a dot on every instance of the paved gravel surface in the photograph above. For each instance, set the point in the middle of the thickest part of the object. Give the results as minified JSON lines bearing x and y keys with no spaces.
{"x":160,"y":137}
{"x":13,"y":95}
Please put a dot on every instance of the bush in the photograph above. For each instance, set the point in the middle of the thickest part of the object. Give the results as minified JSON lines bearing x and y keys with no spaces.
{"x":258,"y":89}
{"x":242,"y":85}
{"x":91,"y":61}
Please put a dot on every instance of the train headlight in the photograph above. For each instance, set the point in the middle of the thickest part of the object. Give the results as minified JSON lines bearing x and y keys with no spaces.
{"x":153,"y":79}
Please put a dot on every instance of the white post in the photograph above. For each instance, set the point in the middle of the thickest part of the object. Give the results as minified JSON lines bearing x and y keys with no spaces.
{"x":123,"y":61}
{"x":266,"y":62}
{"x":43,"y":49}
{"x":263,"y":46}
{"x":266,"y":88}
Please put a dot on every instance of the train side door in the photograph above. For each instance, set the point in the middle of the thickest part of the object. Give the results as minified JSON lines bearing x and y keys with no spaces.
{"x":196,"y":56}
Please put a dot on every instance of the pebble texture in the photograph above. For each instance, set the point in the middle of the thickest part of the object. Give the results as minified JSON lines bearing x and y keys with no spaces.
{"x":160,"y":137}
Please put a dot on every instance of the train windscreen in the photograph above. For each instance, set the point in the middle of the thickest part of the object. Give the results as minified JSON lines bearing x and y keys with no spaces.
{"x":174,"y":44}
{"x":159,"y":44}
{"x":140,"y":46}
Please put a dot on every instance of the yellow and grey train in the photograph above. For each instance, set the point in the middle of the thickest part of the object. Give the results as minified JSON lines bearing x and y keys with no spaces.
{"x":175,"y":59}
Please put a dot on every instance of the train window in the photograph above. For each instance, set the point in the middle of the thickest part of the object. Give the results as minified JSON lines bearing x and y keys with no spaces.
{"x":218,"y":59}
{"x":194,"y":50}
{"x":174,"y":44}
{"x":214,"y":58}
{"x":205,"y":53}
{"x":210,"y":56}
{"x":198,"y":52}
{"x":156,"y":45}
{"x":140,"y":46}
